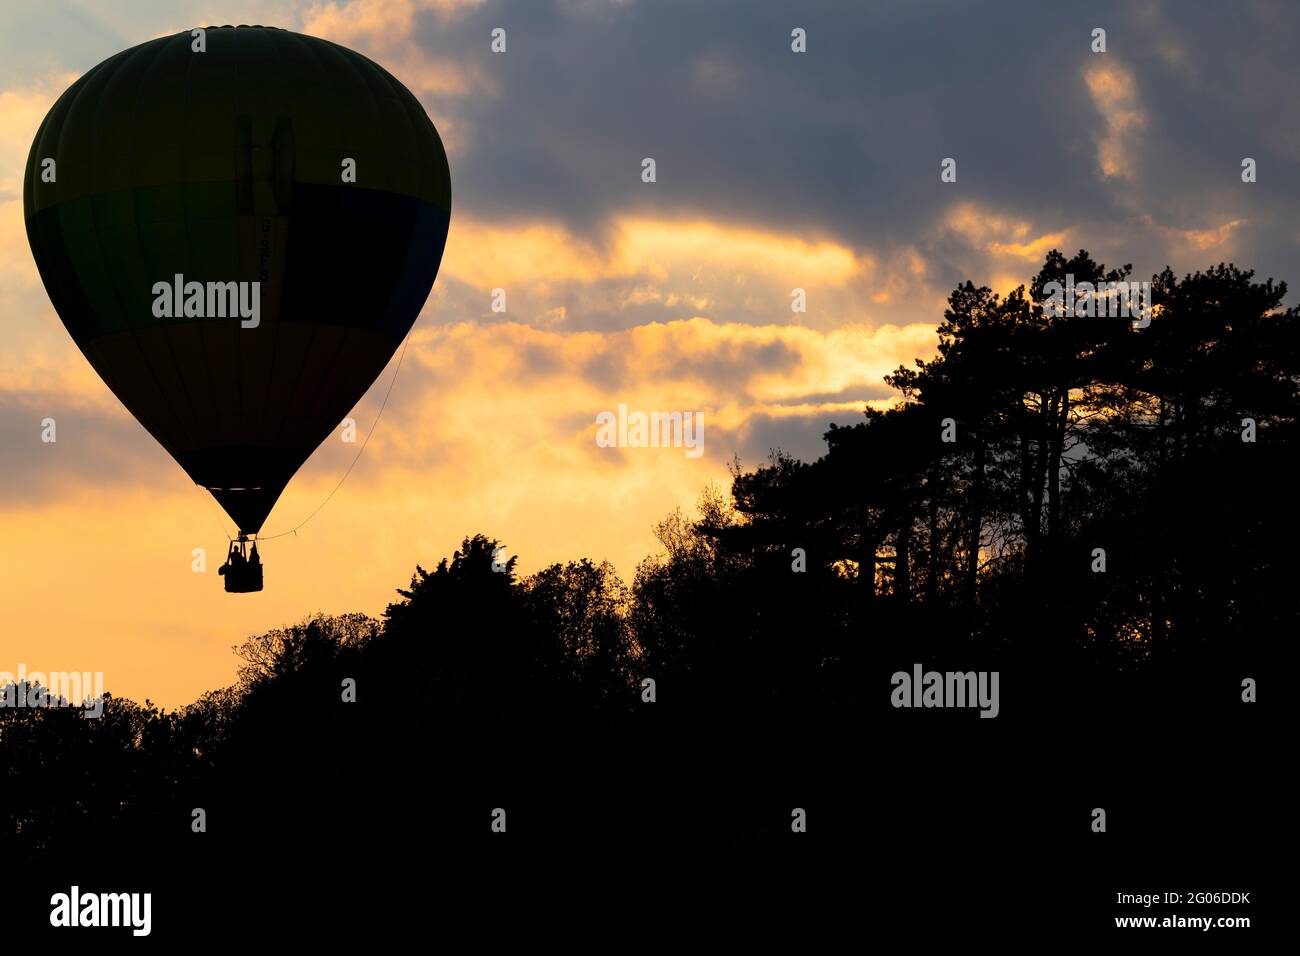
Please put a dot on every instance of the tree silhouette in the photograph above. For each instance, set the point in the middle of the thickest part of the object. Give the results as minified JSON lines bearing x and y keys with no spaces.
{"x":779,"y":605}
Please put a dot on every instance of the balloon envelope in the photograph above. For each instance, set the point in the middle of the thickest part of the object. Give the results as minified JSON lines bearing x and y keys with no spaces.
{"x":228,"y":165}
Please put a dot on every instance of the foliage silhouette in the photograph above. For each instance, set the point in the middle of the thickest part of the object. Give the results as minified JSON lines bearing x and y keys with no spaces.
{"x":1071,"y":434}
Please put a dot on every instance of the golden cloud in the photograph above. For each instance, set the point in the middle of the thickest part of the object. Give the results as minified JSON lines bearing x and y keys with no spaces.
{"x":491,"y":428}
{"x":502,"y":254}
{"x":377,"y":22}
{"x":1002,"y":236}
{"x":383,"y":30}
{"x":1186,"y":242}
{"x":1114,"y":95}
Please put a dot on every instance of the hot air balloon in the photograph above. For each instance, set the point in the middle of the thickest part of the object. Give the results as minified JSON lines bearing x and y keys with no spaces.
{"x":238,"y":226}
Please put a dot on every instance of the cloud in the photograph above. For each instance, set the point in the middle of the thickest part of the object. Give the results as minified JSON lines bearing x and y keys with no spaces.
{"x":1113,"y":90}
{"x":1214,"y":241}
{"x":489,"y":255}
{"x":642,"y":269}
{"x":97,"y":448}
{"x":477,"y":398}
{"x":474,"y":400}
{"x":491,"y":428}
{"x":36,"y":351}
{"x":379,"y":23}
{"x":382,"y":30}
{"x":1001,"y":235}
{"x":775,"y":170}
{"x":21,"y":113}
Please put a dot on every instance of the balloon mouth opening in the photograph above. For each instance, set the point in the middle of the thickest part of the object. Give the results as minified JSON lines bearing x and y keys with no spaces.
{"x":246,"y":505}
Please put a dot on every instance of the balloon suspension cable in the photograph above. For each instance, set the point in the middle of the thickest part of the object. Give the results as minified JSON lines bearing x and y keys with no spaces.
{"x":355,"y":459}
{"x":220,"y":523}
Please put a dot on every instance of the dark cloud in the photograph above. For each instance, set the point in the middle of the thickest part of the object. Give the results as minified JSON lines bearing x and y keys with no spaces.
{"x":798,"y":436}
{"x":94,"y":448}
{"x":45,"y":36}
{"x":847,"y":138}
{"x":856,"y":393}
{"x":607,"y":370}
{"x":732,"y":361}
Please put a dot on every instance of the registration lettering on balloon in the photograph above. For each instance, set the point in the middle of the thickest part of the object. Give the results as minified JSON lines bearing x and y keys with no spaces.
{"x":264,"y":238}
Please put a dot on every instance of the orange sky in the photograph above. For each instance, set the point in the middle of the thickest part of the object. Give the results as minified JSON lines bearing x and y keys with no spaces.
{"x":475,"y":439}
{"x":491,"y":428}
{"x":492,"y":423}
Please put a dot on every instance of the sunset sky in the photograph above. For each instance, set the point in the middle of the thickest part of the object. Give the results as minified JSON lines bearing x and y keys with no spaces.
{"x":775,"y":170}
